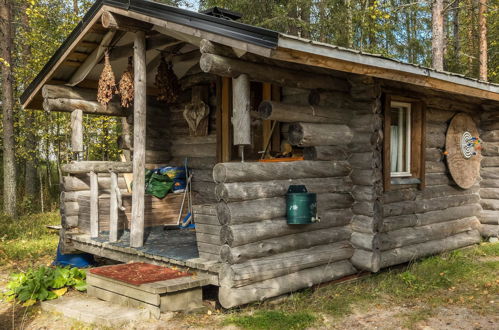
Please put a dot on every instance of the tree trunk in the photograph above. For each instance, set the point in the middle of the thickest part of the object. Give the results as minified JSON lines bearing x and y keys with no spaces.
{"x":9,"y":165}
{"x":482,"y":23}
{"x":437,"y":40}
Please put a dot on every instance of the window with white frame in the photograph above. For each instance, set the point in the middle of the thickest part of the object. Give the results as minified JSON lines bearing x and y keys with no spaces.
{"x":400,"y":139}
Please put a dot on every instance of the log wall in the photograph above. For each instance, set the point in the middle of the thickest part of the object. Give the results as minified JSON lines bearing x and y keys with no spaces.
{"x":489,"y":187}
{"x":262,"y":255}
{"x":439,"y":217}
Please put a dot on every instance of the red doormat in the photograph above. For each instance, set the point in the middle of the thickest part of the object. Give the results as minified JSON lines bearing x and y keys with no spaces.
{"x":138,"y":273}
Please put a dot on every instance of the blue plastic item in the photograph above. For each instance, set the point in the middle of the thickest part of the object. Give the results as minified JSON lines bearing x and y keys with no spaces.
{"x":80,"y":260}
{"x":184,"y":220}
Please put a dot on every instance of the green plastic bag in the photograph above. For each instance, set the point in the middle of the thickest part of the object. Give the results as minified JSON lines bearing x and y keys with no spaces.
{"x":157,"y":184}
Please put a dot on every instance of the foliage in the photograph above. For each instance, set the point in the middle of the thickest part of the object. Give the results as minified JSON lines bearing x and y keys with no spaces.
{"x":272,"y":320}
{"x":44,"y":283}
{"x":27,"y":237}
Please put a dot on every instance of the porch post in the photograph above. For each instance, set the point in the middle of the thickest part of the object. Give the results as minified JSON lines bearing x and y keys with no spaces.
{"x":241,"y":120}
{"x":139,"y":140}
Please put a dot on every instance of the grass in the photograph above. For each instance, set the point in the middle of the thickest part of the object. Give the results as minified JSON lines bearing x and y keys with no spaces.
{"x":27,"y":238}
{"x":465,"y":278}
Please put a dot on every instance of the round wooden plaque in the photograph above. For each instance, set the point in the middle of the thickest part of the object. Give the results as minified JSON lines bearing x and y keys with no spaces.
{"x":462,"y":158}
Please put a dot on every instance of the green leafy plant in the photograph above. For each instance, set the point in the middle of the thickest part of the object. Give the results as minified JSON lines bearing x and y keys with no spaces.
{"x":44,"y":283}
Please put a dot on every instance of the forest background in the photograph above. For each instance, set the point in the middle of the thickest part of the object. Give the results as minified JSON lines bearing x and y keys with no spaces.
{"x":460,"y":36}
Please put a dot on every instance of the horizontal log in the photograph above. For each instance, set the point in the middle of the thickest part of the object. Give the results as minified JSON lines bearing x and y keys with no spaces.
{"x":487,"y":230}
{"x":490,"y":204}
{"x":208,"y":229}
{"x":367,"y":122}
{"x":366,"y":160}
{"x":296,"y":99}
{"x":490,"y":162}
{"x":313,"y":134}
{"x":366,"y":193}
{"x":490,"y":136}
{"x":229,"y":67}
{"x":90,"y":107}
{"x":446,"y":190}
{"x":83,"y":167}
{"x":237,"y":235}
{"x":490,"y":149}
{"x":366,"y":260}
{"x":489,"y":217}
{"x":193,"y":150}
{"x":435,"y":167}
{"x":366,"y":177}
{"x":415,"y":235}
{"x":435,"y":140}
{"x":209,"y":248}
{"x":400,"y":195}
{"x":206,"y":209}
{"x":433,"y":179}
{"x":370,"y":209}
{"x":207,"y":238}
{"x":436,"y":127}
{"x":266,"y":171}
{"x":283,"y":244}
{"x":438,"y":116}
{"x":157,"y":156}
{"x":364,"y":224}
{"x":270,"y":208}
{"x":291,"y":113}
{"x":231,"y":297}
{"x":187,"y":140}
{"x":434,"y":154}
{"x":82,"y":183}
{"x":328,"y":98}
{"x":446,"y":214}
{"x":62,"y":91}
{"x":324,"y":153}
{"x":241,"y":191}
{"x":194,"y":162}
{"x":196,"y":79}
{"x":206,"y":219}
{"x":282,"y":264}
{"x":199,"y":175}
{"x":365,"y":241}
{"x":416,"y":251}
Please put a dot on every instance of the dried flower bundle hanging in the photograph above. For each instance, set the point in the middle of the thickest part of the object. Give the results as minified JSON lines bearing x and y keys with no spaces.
{"x":167,"y":82}
{"x":125,"y":86}
{"x":107,"y":82}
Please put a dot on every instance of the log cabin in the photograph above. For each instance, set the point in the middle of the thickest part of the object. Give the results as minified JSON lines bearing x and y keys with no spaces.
{"x":404,"y":160}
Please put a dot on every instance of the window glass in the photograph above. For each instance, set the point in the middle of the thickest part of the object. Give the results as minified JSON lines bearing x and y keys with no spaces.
{"x":400,"y":143}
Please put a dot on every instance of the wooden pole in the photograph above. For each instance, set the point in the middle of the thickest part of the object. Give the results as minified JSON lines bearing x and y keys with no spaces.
{"x":241,"y":120}
{"x":139,"y":141}
{"x":94,"y":205}
{"x":77,"y":132}
{"x":113,"y":209}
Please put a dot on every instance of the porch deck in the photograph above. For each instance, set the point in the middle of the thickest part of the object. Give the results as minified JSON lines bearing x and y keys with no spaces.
{"x":162,"y":247}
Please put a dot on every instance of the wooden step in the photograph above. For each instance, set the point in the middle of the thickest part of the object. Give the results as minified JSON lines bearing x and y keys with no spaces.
{"x":183,"y":294}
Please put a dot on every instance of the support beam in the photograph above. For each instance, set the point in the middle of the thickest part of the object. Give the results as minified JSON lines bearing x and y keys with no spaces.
{"x":113,"y":209}
{"x":91,"y":107}
{"x":94,"y":58}
{"x":77,"y":132}
{"x":139,"y":141}
{"x":94,"y":205}
{"x":118,"y":22}
{"x":230,"y":67}
{"x":241,"y":120}
{"x":97,"y":167}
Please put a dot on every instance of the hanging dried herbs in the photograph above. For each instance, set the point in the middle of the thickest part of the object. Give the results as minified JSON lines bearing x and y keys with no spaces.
{"x":126,"y":87}
{"x":107,"y":82}
{"x":167,"y":82}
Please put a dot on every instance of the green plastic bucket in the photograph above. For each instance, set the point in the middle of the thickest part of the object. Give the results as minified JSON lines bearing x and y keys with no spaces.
{"x":301,"y":206}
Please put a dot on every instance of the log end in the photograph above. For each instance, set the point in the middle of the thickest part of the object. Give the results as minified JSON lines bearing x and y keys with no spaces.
{"x":226,"y":236}
{"x":295,"y":134}
{"x":219,"y":173}
{"x":265,"y":109}
{"x":225,"y":254}
{"x":223,"y":213}
{"x":206,"y":63}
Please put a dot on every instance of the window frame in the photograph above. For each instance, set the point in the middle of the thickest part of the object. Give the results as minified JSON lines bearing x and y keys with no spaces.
{"x":417,"y":144}
{"x":408,"y":136}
